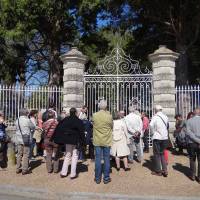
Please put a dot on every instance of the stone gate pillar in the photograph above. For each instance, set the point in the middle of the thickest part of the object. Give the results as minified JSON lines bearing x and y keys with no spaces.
{"x":73,"y":65}
{"x":163,"y":65}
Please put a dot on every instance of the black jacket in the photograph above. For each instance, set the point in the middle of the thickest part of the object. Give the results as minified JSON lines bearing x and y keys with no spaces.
{"x":69,"y":131}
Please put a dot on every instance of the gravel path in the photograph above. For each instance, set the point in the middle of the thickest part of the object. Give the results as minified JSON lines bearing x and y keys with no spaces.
{"x":138,"y":181}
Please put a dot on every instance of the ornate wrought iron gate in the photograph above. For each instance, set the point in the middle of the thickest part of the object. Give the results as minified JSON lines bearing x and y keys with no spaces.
{"x":120,"y":80}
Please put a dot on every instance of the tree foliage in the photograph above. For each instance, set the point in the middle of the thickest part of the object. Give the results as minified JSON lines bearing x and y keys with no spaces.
{"x":34,"y":33}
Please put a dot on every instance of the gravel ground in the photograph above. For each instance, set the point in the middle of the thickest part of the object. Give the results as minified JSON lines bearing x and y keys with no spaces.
{"x":138,"y":181}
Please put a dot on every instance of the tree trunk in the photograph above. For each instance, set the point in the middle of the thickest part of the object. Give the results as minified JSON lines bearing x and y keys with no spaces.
{"x":182,"y":65}
{"x":56,"y":71}
{"x":22,"y":74}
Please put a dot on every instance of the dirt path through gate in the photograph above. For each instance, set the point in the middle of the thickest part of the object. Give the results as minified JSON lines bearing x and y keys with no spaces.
{"x":138,"y":181}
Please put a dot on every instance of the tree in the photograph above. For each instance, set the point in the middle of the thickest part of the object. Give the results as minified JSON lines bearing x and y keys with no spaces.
{"x":56,"y":25}
{"x":174,"y":23}
{"x":13,"y":46}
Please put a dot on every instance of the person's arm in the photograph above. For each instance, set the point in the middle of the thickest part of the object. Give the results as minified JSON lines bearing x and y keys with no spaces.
{"x":125,"y":131}
{"x":31,"y":125}
{"x":152,"y":125}
{"x":191,"y":134}
{"x":82,"y":133}
{"x":140,"y":125}
{"x":129,"y":128}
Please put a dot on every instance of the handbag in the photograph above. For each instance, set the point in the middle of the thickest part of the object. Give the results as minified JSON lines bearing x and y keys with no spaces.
{"x":136,"y":136}
{"x":37,"y":135}
{"x":25,"y":137}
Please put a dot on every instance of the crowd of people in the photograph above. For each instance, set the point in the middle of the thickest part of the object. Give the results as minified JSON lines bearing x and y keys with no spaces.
{"x":104,"y":137}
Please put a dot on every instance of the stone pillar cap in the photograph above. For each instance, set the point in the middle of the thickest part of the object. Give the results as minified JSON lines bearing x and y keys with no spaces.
{"x":163,"y":52}
{"x":74,"y":54}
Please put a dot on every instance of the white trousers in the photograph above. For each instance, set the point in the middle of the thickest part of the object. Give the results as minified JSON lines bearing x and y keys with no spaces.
{"x":71,"y":155}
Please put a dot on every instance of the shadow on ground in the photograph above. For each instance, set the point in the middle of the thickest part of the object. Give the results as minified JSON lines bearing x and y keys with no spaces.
{"x":148,"y":163}
{"x":81,"y":168}
{"x":181,"y":168}
{"x":36,"y":163}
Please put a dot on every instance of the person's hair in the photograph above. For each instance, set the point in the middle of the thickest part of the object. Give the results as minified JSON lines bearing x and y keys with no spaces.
{"x":143,"y":112}
{"x":177,"y":115}
{"x":50,"y":114}
{"x":23,"y":112}
{"x":1,"y":113}
{"x":131,"y":109}
{"x":32,"y":113}
{"x":103,"y":105}
{"x":116,"y":115}
{"x":51,"y":105}
{"x":189,"y":115}
{"x":158,"y":108}
{"x":84,"y":106}
{"x":72,"y":111}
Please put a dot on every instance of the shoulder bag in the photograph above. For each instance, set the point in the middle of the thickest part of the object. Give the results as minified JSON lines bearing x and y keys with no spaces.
{"x":170,"y":144}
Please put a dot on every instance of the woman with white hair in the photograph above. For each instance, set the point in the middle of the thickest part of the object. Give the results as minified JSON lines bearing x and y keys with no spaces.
{"x":120,"y":143}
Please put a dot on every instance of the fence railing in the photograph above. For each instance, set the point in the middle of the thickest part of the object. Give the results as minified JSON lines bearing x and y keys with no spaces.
{"x":187,"y":99}
{"x":13,"y":98}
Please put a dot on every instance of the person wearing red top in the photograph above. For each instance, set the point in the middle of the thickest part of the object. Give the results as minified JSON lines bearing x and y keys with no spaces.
{"x":145,"y":122}
{"x":50,"y":147}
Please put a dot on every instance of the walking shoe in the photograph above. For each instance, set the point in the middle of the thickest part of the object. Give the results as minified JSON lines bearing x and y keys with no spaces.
{"x":74,"y":177}
{"x":26,"y":172}
{"x":198,"y":180}
{"x":165,"y":174}
{"x":139,"y":161}
{"x":63,"y":176}
{"x":130,"y":161}
{"x":127,"y":169}
{"x":156,"y":173}
{"x":107,"y":181}
{"x":18,"y":171}
{"x":192,"y":178}
{"x":97,"y":181}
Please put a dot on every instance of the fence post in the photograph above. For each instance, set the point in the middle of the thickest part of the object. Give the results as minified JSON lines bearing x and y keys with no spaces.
{"x":73,"y":65}
{"x":164,"y":91}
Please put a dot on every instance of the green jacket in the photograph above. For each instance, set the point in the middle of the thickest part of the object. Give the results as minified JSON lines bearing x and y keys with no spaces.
{"x":102,"y":129}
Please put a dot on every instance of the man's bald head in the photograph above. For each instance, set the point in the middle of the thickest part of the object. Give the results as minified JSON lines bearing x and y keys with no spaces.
{"x":197,"y":111}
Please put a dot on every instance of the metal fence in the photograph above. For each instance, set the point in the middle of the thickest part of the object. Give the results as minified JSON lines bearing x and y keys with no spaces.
{"x":187,"y":99}
{"x":13,"y":98}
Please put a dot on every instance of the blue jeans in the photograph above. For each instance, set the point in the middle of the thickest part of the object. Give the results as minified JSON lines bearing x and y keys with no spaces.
{"x":99,"y":150}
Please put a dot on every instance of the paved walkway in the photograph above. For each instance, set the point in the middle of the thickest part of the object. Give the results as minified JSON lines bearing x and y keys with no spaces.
{"x":9,"y":192}
{"x":135,"y":184}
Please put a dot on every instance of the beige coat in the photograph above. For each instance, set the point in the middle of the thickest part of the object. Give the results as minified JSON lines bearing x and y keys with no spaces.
{"x":120,"y":139}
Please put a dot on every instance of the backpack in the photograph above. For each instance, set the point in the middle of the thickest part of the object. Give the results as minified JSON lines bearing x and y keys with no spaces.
{"x":117,"y":131}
